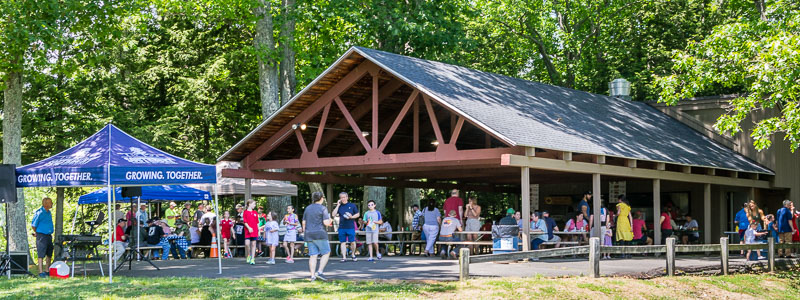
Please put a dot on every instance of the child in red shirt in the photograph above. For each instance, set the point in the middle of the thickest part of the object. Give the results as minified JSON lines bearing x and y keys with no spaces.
{"x":250,"y":231}
{"x":226,"y":227}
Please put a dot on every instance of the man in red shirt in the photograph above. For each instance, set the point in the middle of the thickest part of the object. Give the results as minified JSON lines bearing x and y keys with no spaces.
{"x":666,"y":225}
{"x":119,"y":240}
{"x":455,"y":203}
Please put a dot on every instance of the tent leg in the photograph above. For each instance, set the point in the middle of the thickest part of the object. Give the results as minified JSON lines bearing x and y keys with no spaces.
{"x":75,"y":218}
{"x":110,"y":236}
{"x":219,"y":231}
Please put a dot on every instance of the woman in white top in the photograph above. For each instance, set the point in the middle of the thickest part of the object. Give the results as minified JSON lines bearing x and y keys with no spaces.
{"x":432,"y":218}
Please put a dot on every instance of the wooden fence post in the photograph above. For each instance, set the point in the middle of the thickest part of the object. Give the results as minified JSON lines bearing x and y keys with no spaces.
{"x":463,"y":264}
{"x":594,"y":257}
{"x":671,"y":256}
{"x":771,"y":253}
{"x":723,"y":254}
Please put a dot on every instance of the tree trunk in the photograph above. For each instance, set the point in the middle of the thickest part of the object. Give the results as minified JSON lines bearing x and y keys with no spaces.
{"x":411,"y":198}
{"x":288,"y":81}
{"x":264,"y":43}
{"x":268,"y":82}
{"x":377,"y":193}
{"x":59,"y":230}
{"x":12,"y":134}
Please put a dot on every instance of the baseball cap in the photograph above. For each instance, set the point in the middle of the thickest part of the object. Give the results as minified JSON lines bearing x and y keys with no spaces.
{"x":510,"y":211}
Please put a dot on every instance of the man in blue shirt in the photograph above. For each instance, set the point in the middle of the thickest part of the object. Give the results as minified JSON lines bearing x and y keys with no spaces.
{"x":742,"y":223}
{"x":584,"y":207}
{"x":785,"y":227}
{"x":537,"y":224}
{"x":42,"y":227}
{"x":551,"y":227}
{"x":348,"y":214}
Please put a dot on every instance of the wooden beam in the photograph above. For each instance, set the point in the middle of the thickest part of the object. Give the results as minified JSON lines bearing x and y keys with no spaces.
{"x":566,"y":155}
{"x":631,"y":163}
{"x":686,"y":169}
{"x":345,"y":83}
{"x":434,"y":122}
{"x":456,"y":131}
{"x":400,"y":160}
{"x":353,"y":124}
{"x":525,"y":181}
{"x":415,"y":145}
{"x":711,"y":171}
{"x":301,"y":141}
{"x":734,"y":174}
{"x":361,"y":110}
{"x":707,"y":213}
{"x":596,"y":197}
{"x":661,"y":166}
{"x":375,"y":110}
{"x":610,"y":170}
{"x":321,"y":128}
{"x":398,"y":120}
{"x":353,"y":180}
{"x":657,"y":211}
{"x":529,"y":151}
{"x":600,"y":159}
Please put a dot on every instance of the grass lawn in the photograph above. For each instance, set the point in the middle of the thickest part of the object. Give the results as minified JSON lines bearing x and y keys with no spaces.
{"x":763,"y":286}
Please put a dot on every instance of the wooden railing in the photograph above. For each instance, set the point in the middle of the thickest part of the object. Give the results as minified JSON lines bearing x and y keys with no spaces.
{"x":594,"y":249}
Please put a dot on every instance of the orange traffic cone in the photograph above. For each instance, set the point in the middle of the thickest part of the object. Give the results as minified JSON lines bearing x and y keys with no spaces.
{"x":214,"y":249}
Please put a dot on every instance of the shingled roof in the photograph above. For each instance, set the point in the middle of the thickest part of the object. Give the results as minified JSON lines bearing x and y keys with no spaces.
{"x":526,"y":113}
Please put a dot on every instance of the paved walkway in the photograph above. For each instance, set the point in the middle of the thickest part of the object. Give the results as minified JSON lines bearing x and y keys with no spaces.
{"x":402,"y":268}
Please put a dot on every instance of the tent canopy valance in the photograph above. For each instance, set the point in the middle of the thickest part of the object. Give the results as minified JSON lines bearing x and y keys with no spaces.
{"x":112,"y":157}
{"x":149,"y":193}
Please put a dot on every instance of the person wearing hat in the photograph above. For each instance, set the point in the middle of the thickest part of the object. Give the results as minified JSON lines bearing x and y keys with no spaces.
{"x":171,"y":214}
{"x":509,"y":218}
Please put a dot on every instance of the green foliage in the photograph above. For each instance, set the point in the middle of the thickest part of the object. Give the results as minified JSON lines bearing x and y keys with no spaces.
{"x":757,"y":57}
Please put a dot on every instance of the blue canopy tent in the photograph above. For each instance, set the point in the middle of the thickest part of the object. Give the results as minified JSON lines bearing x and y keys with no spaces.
{"x":149,"y":193}
{"x":112,"y":158}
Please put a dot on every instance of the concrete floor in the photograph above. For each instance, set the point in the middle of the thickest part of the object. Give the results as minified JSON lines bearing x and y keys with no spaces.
{"x":401,"y":268}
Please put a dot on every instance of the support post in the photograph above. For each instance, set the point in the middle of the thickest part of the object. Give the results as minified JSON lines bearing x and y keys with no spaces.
{"x":594,"y":257}
{"x":707,"y":213}
{"x":463,"y":264}
{"x":219,"y":230}
{"x":656,"y":211}
{"x":670,"y":256}
{"x":526,"y":208}
{"x":723,"y":254}
{"x":248,"y":190}
{"x":771,"y":253}
{"x":331,"y":197}
{"x":596,"y":192}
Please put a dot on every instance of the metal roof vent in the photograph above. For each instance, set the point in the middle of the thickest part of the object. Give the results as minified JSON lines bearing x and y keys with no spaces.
{"x":620,"y":88}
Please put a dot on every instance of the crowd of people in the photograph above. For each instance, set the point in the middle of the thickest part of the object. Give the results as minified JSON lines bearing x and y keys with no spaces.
{"x":754,"y":227}
{"x":257,"y":230}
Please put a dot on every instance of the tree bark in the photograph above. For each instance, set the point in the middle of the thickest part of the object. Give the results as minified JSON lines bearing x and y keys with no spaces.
{"x":288,"y":81}
{"x":411,"y":198}
{"x":264,"y":43}
{"x":376,"y":193}
{"x":59,"y":230}
{"x":12,"y":134}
